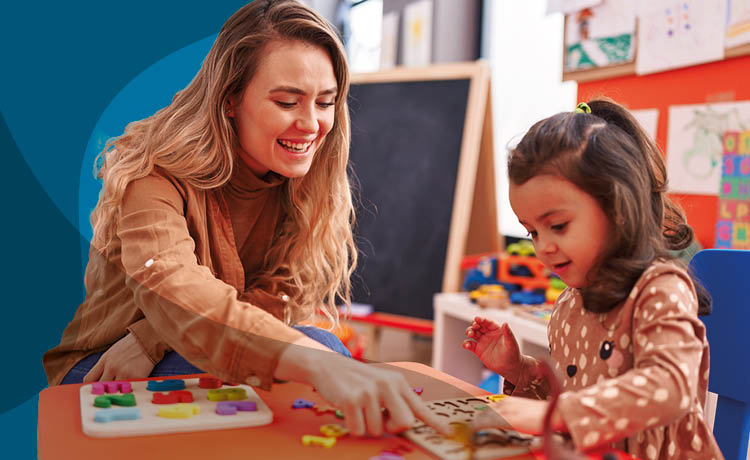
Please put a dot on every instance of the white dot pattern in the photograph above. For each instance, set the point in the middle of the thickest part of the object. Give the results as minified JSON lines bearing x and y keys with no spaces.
{"x":616,"y":399}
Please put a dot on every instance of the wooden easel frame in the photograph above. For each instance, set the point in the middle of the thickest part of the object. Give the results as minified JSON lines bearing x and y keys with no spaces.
{"x":473,"y":227}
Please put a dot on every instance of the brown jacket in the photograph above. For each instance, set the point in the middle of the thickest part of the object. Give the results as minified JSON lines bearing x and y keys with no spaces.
{"x":176,"y":278}
{"x":637,"y":375}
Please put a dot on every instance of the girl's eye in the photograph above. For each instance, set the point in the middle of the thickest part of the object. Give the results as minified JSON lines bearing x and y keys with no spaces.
{"x":532,"y":234}
{"x":559,"y":227}
{"x":325,"y":105}
{"x":285,"y":105}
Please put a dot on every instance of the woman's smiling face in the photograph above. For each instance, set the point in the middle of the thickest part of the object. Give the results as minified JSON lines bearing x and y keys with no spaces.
{"x":286,"y":110}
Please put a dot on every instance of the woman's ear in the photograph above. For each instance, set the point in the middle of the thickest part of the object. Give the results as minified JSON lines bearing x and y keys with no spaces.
{"x":229,"y":107}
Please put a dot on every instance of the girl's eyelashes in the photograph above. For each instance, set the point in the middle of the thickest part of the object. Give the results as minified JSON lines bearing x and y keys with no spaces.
{"x":559,"y":227}
{"x":326,"y":104}
{"x":531,"y":234}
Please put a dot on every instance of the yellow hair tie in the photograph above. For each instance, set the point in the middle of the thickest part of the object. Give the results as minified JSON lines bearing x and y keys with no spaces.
{"x":582,"y":107}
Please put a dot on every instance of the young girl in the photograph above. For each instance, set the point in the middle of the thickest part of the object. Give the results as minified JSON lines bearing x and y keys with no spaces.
{"x":589,"y":186}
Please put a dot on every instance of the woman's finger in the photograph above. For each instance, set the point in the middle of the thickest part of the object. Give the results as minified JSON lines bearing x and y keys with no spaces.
{"x":355,"y":422}
{"x":425,"y":414}
{"x":95,"y":373}
{"x":400,"y":416}
{"x":373,"y":415}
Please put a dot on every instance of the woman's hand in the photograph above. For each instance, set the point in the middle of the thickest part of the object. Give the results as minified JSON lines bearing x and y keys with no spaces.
{"x":496,"y":346}
{"x":360,"y":390}
{"x":126,"y":359}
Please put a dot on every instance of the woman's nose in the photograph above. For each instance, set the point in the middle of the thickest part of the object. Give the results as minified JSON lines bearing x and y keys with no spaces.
{"x":307,"y":121}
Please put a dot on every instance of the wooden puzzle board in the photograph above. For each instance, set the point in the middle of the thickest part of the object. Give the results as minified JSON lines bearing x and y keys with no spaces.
{"x":493,"y":443}
{"x":150,"y":423}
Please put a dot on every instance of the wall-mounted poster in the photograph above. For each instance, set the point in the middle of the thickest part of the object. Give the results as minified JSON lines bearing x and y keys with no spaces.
{"x":569,"y":6}
{"x":648,"y":119}
{"x":600,"y":36}
{"x":738,"y":23}
{"x":695,"y":144}
{"x":416,"y":48}
{"x":679,"y":33}
{"x":733,"y":222}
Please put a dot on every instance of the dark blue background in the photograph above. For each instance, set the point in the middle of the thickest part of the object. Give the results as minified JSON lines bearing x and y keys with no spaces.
{"x":72,"y":75}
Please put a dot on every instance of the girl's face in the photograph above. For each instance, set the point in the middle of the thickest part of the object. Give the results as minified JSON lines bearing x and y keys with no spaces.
{"x":568,"y":227}
{"x":286,"y":110}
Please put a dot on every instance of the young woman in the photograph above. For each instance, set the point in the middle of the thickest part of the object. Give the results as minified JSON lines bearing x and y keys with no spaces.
{"x":226,"y":218}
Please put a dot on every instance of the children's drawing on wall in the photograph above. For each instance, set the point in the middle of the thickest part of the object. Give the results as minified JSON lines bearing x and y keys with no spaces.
{"x":570,"y":6}
{"x":648,"y":119}
{"x":695,"y":144}
{"x":738,"y":23}
{"x":674,"y":33}
{"x":733,"y":222}
{"x":600,"y":36}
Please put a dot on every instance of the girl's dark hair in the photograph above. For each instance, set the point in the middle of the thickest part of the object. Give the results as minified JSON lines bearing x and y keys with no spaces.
{"x":608,"y":155}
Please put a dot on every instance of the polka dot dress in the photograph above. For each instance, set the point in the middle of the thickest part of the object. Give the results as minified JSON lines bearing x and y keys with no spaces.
{"x":637,"y":376}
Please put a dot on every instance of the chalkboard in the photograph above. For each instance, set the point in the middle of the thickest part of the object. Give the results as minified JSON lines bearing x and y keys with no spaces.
{"x":414,"y":174}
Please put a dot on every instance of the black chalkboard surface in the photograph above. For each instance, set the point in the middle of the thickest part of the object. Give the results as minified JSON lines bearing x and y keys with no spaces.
{"x":408,"y":145}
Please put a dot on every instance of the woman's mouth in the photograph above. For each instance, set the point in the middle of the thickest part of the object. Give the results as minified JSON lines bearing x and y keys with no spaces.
{"x":294,"y":147}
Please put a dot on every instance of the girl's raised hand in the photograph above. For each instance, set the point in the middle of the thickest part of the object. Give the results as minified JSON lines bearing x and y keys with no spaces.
{"x":496,"y":346}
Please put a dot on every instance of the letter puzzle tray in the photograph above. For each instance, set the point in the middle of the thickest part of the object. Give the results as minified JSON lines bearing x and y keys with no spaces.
{"x":115,"y":409}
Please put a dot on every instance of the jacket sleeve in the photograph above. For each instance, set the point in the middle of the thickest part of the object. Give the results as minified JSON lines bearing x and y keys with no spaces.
{"x":193,"y":312}
{"x":667,"y":349}
{"x":149,"y":339}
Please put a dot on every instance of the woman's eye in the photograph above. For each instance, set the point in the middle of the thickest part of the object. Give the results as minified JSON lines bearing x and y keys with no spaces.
{"x":559,"y":227}
{"x":326,"y":104}
{"x":286,"y":105}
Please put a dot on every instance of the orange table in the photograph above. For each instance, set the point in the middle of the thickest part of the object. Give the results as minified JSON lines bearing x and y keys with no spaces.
{"x":60,"y":437}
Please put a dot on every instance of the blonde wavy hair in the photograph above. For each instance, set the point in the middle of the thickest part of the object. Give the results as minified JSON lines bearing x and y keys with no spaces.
{"x":193,"y":139}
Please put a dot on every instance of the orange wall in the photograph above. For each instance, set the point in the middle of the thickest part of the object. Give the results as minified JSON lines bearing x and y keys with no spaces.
{"x":727,"y":80}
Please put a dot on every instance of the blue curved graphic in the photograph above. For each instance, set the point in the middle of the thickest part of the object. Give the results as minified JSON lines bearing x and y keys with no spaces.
{"x":72,"y":74}
{"x":148,"y":92}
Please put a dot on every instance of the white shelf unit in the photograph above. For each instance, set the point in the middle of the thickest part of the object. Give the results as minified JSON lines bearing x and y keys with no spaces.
{"x":454,"y":312}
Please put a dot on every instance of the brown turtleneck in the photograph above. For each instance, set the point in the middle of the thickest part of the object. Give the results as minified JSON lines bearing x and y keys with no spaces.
{"x":175,"y":277}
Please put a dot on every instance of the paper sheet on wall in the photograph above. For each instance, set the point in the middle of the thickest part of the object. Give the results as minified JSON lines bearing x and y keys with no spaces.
{"x":648,"y":119}
{"x":694,"y":144}
{"x":733,"y":220}
{"x":738,"y":23}
{"x":569,"y":6}
{"x":389,"y":45}
{"x":674,"y":34}
{"x":600,"y":36}
{"x":416,"y":49}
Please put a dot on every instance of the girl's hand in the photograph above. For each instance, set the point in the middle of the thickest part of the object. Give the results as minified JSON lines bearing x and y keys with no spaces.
{"x":124,"y":360}
{"x":360,"y":390}
{"x":520,"y":414}
{"x":495,"y":346}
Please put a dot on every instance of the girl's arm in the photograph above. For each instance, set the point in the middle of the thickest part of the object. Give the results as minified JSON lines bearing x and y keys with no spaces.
{"x":668,"y":349}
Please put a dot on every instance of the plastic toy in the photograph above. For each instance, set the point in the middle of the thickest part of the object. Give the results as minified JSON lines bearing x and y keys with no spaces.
{"x":528,"y":297}
{"x":490,"y":296}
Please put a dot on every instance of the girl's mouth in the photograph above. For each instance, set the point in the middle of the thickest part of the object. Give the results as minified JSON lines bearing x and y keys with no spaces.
{"x":558,"y":268}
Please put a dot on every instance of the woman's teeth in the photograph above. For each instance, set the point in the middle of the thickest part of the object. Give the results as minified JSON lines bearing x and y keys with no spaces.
{"x":293,"y":146}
